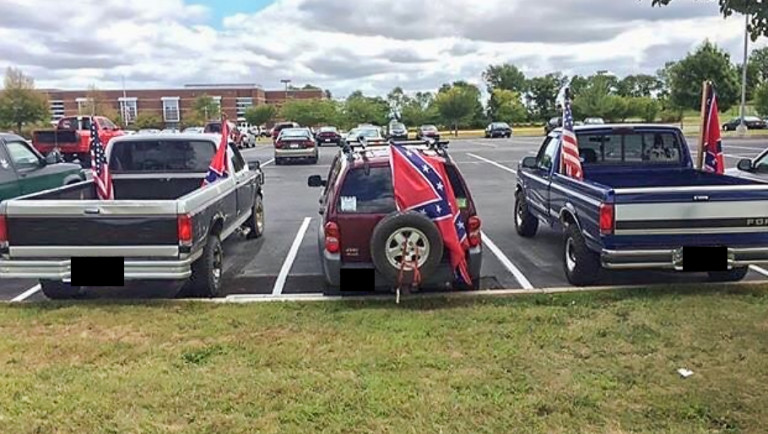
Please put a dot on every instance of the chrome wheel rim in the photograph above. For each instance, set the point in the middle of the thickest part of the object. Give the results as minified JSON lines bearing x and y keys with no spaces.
{"x":570,"y":256}
{"x":260,"y":217}
{"x":415,"y":242}
{"x":519,"y":214}
{"x":218,"y":260}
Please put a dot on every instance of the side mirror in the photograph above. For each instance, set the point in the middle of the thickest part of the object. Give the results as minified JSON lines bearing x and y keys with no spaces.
{"x":529,"y":163}
{"x":316,"y":181}
{"x":254,"y":165}
{"x":745,"y":165}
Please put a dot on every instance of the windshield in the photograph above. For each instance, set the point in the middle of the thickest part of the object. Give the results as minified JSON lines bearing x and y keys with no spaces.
{"x":630,"y":148}
{"x":161,"y":156}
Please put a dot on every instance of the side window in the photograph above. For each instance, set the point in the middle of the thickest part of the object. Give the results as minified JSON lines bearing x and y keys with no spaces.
{"x":105,"y":123}
{"x":237,"y":158}
{"x":333,"y":173}
{"x":761,"y":165}
{"x":23,"y":157}
{"x":457,"y":186}
{"x":546,"y":156}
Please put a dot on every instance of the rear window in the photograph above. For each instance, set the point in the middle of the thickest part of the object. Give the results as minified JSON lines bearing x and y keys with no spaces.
{"x":630,"y":148}
{"x":372,"y":193}
{"x":501,"y":125}
{"x":161,"y":156}
{"x":328,"y":129}
{"x":73,"y":124}
{"x":294,"y":133}
{"x":429,"y":128}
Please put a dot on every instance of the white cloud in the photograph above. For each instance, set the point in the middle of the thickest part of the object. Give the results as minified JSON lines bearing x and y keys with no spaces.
{"x":372,"y":45}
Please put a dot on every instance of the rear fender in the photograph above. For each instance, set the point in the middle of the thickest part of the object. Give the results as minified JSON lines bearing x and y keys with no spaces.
{"x":72,"y":179}
{"x":569,"y":216}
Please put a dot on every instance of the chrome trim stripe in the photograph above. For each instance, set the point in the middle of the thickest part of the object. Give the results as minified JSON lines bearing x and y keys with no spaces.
{"x":233,"y":227}
{"x":696,"y":189}
{"x":76,"y":208}
{"x":158,"y":175}
{"x":69,"y":251}
{"x":204,"y":196}
{"x":693,"y":231}
{"x":691,"y":210}
{"x":565,"y":190}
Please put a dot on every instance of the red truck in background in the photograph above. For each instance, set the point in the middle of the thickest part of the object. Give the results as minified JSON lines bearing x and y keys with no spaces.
{"x":72,"y":136}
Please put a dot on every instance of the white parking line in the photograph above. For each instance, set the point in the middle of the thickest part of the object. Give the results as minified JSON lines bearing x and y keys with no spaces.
{"x":26,"y":294}
{"x":760,"y":270}
{"x":268,"y":162}
{"x":521,"y":279}
{"x":288,"y":263}
{"x":486,"y":144}
{"x":502,"y":167}
{"x":755,"y":150}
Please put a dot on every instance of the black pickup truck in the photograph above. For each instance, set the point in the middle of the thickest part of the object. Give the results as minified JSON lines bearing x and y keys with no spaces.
{"x":162,"y":222}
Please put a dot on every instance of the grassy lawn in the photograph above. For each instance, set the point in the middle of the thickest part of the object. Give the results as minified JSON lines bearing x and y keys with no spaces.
{"x":563,"y":363}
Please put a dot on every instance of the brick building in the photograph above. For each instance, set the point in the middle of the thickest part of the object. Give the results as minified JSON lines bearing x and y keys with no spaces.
{"x":172,"y":105}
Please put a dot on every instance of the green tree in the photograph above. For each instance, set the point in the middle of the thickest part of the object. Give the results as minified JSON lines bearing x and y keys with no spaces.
{"x":420,"y":109}
{"x":205,"y":109}
{"x":260,"y":114}
{"x":456,"y":106}
{"x":758,"y":60}
{"x":479,"y":118}
{"x":98,"y":104}
{"x":507,"y":106}
{"x":541,"y":94}
{"x":146,"y":121}
{"x":757,"y":10}
{"x":397,"y":100}
{"x":359,"y":109}
{"x":309,"y":112}
{"x":641,"y":85}
{"x":504,"y":76}
{"x":761,"y":99}
{"x":707,"y":63}
{"x":644,"y":107}
{"x":20,"y":102}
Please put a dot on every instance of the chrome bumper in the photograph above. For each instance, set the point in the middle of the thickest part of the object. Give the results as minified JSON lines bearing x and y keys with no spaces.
{"x":672,"y":259}
{"x":61,"y":269}
{"x":295,"y":153}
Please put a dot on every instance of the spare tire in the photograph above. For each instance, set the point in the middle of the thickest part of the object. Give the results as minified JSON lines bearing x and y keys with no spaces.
{"x":417,"y":231}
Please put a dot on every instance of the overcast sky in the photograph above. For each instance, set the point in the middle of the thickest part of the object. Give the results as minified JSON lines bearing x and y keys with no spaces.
{"x":344,"y":45}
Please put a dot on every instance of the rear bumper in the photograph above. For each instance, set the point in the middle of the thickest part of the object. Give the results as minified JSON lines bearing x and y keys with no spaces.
{"x":672,"y":259}
{"x":296,"y":153}
{"x":442,"y":277}
{"x":61,"y":270}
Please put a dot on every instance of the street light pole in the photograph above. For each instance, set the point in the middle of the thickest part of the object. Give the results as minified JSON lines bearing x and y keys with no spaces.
{"x":742,"y":128}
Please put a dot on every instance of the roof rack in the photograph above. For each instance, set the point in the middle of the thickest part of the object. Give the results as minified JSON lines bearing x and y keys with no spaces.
{"x":440,"y":147}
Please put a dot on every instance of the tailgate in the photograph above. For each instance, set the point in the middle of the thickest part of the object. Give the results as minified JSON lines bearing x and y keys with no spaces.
{"x":674,"y":216}
{"x":62,"y":138}
{"x":62,"y":229}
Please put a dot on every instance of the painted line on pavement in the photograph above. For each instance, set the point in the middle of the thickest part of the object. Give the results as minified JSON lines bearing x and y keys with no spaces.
{"x":760,"y":270}
{"x":288,"y":263}
{"x":512,"y":268}
{"x":268,"y":162}
{"x":502,"y":167}
{"x":26,"y":294}
{"x":486,"y":144}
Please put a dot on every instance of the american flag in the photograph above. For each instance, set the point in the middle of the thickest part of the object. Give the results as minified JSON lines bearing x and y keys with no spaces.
{"x":713,"y":146}
{"x":570,"y":162}
{"x":422,"y":185}
{"x":100,"y":166}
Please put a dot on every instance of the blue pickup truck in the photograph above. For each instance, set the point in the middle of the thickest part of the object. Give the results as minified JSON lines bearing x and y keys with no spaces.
{"x":642,"y":205}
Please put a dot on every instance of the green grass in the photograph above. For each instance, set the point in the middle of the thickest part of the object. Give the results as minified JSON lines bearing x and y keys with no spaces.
{"x":563,"y":363}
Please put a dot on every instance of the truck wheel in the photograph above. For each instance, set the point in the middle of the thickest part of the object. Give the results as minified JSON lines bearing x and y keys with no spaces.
{"x":58,"y":290}
{"x":526,"y":224}
{"x":582,"y":266}
{"x":207,"y":271}
{"x":418,"y":233}
{"x":733,"y":275}
{"x":256,"y":222}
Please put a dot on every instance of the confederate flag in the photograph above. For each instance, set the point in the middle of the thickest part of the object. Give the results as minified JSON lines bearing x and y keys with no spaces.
{"x":218,"y":167}
{"x":713,"y":147}
{"x":422,"y":185}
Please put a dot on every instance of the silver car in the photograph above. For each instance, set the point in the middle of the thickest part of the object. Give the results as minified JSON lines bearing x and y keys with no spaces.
{"x":295,"y":143}
{"x":755,"y":169}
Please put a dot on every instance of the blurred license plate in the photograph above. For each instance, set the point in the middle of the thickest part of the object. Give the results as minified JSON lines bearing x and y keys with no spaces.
{"x":327,"y":140}
{"x":705,"y":258}
{"x":294,"y":145}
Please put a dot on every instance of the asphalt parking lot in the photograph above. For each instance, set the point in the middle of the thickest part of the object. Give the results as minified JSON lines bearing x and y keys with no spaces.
{"x":285,"y":261}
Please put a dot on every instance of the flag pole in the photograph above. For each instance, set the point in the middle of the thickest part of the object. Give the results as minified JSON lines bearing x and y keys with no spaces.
{"x":703,"y":132}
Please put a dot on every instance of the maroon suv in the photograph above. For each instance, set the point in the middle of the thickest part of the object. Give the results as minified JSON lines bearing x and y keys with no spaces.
{"x":362,"y":229}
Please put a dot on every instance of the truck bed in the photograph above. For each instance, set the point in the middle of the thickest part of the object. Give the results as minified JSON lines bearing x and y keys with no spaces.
{"x":128,"y":189}
{"x":661,"y":178}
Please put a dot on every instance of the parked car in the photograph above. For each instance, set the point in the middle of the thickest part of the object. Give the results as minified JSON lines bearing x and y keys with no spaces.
{"x":359,"y":216}
{"x":72,"y":137}
{"x":498,"y":129}
{"x":193,"y":130}
{"x":594,"y":121}
{"x":24,"y":171}
{"x":328,"y":135}
{"x":752,"y":123}
{"x":397,"y":131}
{"x":756,"y":168}
{"x":642,"y":205}
{"x":149,"y":131}
{"x":427,"y":132}
{"x":214,"y":127}
{"x":281,"y":126}
{"x":170,"y":131}
{"x":295,"y":143}
{"x":371,"y":134}
{"x":552,"y":123}
{"x":162,"y":222}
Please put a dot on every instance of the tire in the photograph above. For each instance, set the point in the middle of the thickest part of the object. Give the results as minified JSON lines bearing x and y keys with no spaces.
{"x":204,"y":283}
{"x":255,"y":222}
{"x":526,"y":224}
{"x":278,"y":161}
{"x":733,"y":275}
{"x":581,"y":265}
{"x":313,"y":160}
{"x":58,"y":290}
{"x":406,"y":225}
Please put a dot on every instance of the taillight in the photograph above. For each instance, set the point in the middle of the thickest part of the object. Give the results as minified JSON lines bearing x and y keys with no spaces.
{"x":606,"y":219}
{"x":3,"y":231}
{"x":278,"y":144}
{"x":309,"y":144}
{"x":332,"y":237}
{"x":184,"y":225}
{"x":474,"y":231}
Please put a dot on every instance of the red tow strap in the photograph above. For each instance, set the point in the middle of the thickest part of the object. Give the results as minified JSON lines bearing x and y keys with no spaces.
{"x":416,"y":273}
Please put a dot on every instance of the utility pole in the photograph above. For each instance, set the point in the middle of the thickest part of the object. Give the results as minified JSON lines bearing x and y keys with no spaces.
{"x":125,"y":105}
{"x":742,"y":128}
{"x":286,"y":81}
